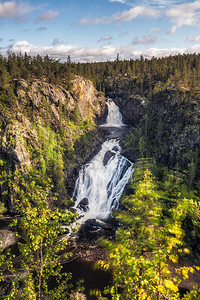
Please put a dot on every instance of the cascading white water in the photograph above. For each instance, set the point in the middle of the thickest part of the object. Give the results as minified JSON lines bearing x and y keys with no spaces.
{"x":114,"y":118}
{"x":101,"y":182}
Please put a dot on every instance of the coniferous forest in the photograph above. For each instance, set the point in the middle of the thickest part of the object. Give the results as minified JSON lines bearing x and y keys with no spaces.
{"x":49,"y":116}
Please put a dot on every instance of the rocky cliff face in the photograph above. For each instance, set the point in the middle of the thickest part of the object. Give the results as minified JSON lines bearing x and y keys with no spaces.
{"x":48,"y":128}
{"x":174,"y":126}
{"x":132,"y":109}
{"x":91,"y":103}
{"x":169,"y":123}
{"x":83,"y":94}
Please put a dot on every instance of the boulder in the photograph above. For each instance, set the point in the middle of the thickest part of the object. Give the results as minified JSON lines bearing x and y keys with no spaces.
{"x":83,"y":204}
{"x":91,"y":223}
{"x":107,"y":157}
{"x":78,"y":296}
{"x":115,"y":148}
{"x":7,"y":238}
{"x":94,"y":229}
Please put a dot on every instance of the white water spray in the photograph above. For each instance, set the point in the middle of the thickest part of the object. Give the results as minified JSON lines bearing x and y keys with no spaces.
{"x":101,"y":182}
{"x":114,"y":117}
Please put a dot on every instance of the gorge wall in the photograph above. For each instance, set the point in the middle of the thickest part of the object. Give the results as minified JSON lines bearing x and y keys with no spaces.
{"x":48,"y":129}
{"x":168,"y":123}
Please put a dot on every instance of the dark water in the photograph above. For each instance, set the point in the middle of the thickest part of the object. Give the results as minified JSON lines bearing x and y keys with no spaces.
{"x":93,"y":278}
{"x":115,"y":132}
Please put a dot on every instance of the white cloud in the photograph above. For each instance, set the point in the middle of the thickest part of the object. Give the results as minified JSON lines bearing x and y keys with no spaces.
{"x":121,"y":1}
{"x":103,"y":20}
{"x":106,"y":38}
{"x":12,"y":9}
{"x":56,"y":41}
{"x":145,"y":40}
{"x":138,"y":11}
{"x":50,"y":15}
{"x":193,"y":49}
{"x":156,"y":52}
{"x":184,"y":14}
{"x":83,"y":54}
{"x":77,"y":53}
{"x":126,"y":15}
{"x":8,"y":9}
{"x":194,"y":39}
{"x":155,"y":29}
{"x":161,"y":3}
{"x":24,"y":8}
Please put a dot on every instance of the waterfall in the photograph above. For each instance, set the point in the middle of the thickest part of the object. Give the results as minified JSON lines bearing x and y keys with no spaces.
{"x":114,"y":117}
{"x":101,"y":182}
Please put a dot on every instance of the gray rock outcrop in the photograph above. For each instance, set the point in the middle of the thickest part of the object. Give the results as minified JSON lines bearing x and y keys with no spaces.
{"x":132,"y":109}
{"x":7,"y":238}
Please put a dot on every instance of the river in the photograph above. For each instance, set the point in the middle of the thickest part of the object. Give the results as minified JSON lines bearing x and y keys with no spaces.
{"x":101,"y":182}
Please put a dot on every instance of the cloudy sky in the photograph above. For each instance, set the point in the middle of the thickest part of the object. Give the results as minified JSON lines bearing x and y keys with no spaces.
{"x":96,"y":30}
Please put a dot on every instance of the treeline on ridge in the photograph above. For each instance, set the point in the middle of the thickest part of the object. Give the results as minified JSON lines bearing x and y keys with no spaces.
{"x":143,"y":75}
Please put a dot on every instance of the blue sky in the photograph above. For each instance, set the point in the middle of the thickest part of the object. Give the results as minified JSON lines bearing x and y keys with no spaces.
{"x":96,"y":30}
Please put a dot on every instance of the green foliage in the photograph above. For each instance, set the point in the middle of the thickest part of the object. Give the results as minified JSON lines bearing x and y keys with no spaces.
{"x":192,"y":295}
{"x":76,"y":117}
{"x":142,"y":146}
{"x":2,"y":209}
{"x":50,"y":157}
{"x":2,"y":176}
{"x":39,"y":227}
{"x":149,"y":242}
{"x":135,"y":76}
{"x":131,"y":140}
{"x":4,"y":185}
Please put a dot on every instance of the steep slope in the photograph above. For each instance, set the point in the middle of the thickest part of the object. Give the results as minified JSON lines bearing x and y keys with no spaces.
{"x":167,"y":125}
{"x":48,"y":130}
